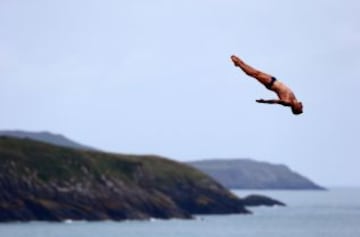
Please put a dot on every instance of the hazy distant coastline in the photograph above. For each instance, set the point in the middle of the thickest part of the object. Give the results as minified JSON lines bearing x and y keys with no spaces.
{"x":251,"y":174}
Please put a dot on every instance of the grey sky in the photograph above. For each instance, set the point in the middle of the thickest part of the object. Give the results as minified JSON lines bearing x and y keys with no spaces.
{"x":155,"y":77}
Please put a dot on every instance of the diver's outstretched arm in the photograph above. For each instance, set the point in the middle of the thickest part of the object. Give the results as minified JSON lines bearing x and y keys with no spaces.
{"x":273,"y":101}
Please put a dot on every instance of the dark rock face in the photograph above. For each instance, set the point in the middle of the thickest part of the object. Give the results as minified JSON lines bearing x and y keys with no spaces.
{"x":250,"y":174}
{"x":39,"y":181}
{"x":259,"y":200}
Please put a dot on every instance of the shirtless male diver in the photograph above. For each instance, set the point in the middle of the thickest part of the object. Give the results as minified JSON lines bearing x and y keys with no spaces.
{"x":286,"y":96}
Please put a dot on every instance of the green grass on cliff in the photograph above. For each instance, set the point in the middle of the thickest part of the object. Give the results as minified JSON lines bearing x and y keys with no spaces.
{"x":53,"y":163}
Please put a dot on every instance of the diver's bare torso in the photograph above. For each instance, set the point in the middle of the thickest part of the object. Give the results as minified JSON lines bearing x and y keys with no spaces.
{"x":283,"y":92}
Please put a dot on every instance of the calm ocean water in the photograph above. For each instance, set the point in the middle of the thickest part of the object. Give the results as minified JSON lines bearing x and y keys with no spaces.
{"x":309,"y":213}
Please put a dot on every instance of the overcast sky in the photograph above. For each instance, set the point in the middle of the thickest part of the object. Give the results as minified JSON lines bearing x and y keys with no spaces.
{"x":155,"y":77}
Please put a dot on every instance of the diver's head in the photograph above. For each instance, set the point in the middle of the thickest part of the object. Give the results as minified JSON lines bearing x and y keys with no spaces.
{"x":297,"y":108}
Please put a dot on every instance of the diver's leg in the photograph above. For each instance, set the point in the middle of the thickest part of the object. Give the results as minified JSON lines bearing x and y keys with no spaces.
{"x":262,"y":77}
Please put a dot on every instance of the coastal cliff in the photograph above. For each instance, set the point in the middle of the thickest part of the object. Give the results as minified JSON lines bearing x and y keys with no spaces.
{"x":40,"y":181}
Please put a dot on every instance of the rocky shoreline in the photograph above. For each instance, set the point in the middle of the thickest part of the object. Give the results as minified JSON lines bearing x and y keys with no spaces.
{"x":39,"y":181}
{"x":44,"y":182}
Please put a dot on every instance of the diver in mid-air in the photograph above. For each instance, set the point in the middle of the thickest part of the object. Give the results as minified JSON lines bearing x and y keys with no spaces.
{"x":285,"y":94}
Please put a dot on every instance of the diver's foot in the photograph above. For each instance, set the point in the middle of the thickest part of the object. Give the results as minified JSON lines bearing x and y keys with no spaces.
{"x":236,"y":60}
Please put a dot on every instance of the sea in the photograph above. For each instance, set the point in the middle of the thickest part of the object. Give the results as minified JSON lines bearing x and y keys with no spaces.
{"x":331,"y":213}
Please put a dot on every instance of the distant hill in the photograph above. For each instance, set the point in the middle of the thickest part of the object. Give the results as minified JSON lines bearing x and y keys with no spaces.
{"x":47,"y":137}
{"x":251,"y":174}
{"x":39,"y":181}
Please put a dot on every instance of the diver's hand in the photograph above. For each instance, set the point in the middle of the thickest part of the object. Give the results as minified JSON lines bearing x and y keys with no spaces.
{"x":260,"y":101}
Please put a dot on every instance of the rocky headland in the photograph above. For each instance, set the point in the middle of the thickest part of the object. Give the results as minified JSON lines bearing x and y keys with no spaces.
{"x":40,"y":181}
